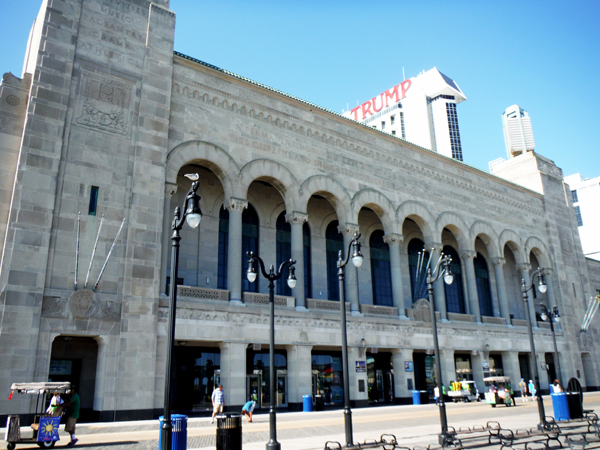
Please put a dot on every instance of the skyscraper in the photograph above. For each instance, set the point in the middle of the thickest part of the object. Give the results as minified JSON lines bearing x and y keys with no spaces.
{"x":518,"y":135}
{"x":421,"y":110}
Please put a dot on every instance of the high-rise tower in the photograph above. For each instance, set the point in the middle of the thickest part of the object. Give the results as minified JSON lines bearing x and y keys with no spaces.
{"x":518,"y":134}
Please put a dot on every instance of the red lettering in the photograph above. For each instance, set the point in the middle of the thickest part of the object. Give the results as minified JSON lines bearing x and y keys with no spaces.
{"x":405,"y":85}
{"x":391,"y":93}
{"x":354,"y":111}
{"x":366,"y":108}
{"x":375,"y":103}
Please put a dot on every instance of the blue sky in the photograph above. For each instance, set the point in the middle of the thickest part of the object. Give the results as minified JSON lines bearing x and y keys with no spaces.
{"x":542,"y":55}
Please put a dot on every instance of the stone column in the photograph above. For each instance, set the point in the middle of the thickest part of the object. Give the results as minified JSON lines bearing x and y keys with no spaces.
{"x":448,"y":367}
{"x":498,"y":264}
{"x":467,"y":256}
{"x":233,"y":373}
{"x":405,"y":273}
{"x":170,"y":190}
{"x":399,"y":355}
{"x":350,"y":273}
{"x":299,"y":370}
{"x":296,"y":221}
{"x":463,"y":280}
{"x":394,"y":241}
{"x":360,"y":398}
{"x":235,"y":206}
{"x":439,"y":295}
{"x":512,"y":369}
{"x":524,"y":269}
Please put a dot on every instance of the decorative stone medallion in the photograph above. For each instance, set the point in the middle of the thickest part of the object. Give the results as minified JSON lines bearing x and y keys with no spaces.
{"x":13,"y":100}
{"x":82,"y":303}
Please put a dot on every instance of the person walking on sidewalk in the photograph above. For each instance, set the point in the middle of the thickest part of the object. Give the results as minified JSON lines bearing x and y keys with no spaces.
{"x":523,"y":389}
{"x":218,"y":401}
{"x":73,"y":406}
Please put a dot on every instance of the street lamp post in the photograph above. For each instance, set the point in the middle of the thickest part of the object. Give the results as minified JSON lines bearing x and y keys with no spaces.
{"x":441,"y":269}
{"x":524,"y":289}
{"x":553,"y":316}
{"x":192,"y":215}
{"x":271,"y":275}
{"x":357,"y":260}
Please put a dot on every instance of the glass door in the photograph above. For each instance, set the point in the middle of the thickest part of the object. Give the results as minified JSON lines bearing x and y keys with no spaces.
{"x":282,"y":388}
{"x":253,"y":390}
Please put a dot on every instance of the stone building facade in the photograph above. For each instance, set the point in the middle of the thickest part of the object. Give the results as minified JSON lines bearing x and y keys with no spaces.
{"x":103,"y":125}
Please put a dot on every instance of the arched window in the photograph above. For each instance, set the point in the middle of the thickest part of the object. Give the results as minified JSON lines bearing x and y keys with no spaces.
{"x":284,"y":252}
{"x":223,"y":248}
{"x":381,"y":276}
{"x":482,"y":277}
{"x":334,"y":242}
{"x":418,"y":269}
{"x":249,"y":244}
{"x":455,"y":299}
{"x":307,"y":261}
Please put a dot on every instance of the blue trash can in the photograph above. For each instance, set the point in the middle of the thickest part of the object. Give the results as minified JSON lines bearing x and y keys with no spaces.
{"x":560,"y":406}
{"x":416,"y":397}
{"x":179,"y":438}
{"x":307,"y":403}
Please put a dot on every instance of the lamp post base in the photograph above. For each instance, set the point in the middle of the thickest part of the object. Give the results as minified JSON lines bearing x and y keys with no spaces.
{"x":273,"y":445}
{"x":448,"y":440}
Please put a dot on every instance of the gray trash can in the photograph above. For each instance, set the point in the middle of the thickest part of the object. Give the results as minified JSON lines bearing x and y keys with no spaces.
{"x":179,"y":437}
{"x":229,"y":432}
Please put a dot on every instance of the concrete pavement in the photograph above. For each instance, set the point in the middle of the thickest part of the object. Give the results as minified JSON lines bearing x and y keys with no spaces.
{"x":413,"y":425}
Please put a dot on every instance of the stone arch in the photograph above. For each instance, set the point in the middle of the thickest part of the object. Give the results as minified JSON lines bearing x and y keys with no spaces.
{"x":457,"y":226}
{"x":418,"y":212}
{"x":325,"y":223}
{"x":487,"y":234}
{"x":379,"y":203}
{"x":330,"y":189}
{"x":513,"y":240}
{"x":370,"y":229}
{"x":209,"y":155}
{"x":274,"y":173}
{"x":409,"y":237}
{"x":275,"y":214}
{"x":539,"y":249}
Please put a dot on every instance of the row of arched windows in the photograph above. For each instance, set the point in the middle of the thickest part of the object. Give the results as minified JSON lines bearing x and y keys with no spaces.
{"x":381,"y":278}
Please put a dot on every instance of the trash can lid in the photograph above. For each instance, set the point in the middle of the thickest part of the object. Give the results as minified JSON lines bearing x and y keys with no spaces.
{"x":307,"y":395}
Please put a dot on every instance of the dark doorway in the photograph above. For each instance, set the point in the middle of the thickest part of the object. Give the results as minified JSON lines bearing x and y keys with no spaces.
{"x":524,"y":367}
{"x":74,"y":359}
{"x":380,"y":377}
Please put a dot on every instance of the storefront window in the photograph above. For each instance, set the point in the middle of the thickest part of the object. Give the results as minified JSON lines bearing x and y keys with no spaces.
{"x":463,"y":367}
{"x":196,"y":373}
{"x":328,"y":376}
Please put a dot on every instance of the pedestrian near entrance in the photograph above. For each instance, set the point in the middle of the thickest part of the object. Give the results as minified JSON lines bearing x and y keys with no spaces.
{"x":218,"y":401}
{"x":436,"y":395}
{"x":247,"y":409}
{"x":523,"y":389}
{"x":556,"y":386}
{"x":73,"y":406}
{"x":56,"y":405}
{"x":532,"y":390}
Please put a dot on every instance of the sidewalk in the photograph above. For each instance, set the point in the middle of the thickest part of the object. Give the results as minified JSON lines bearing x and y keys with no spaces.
{"x":413,"y":425}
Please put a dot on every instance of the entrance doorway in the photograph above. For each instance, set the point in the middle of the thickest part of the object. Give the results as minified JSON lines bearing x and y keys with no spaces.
{"x":253,"y":383}
{"x":380,"y":377}
{"x":74,"y":359}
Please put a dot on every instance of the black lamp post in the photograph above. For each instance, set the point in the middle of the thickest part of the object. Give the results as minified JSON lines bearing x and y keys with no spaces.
{"x":553,"y":316}
{"x":291,"y":281}
{"x":192,"y":215}
{"x":441,"y":269}
{"x":536,"y":378}
{"x":357,"y":260}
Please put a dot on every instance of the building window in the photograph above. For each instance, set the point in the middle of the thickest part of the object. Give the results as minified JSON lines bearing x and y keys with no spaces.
{"x":455,"y":299}
{"x":223,"y":248}
{"x":578,"y":215}
{"x":383,"y":124}
{"x":196,"y":374}
{"x":454,"y":131}
{"x":307,"y":259}
{"x":381,"y":275}
{"x":392,"y":120}
{"x":393,"y":132}
{"x":328,"y":376}
{"x":284,"y":252}
{"x":482,"y":279}
{"x":574,"y":194}
{"x":334,"y":242}
{"x":249,"y":244}
{"x":402,"y":125}
{"x":93,"y":201}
